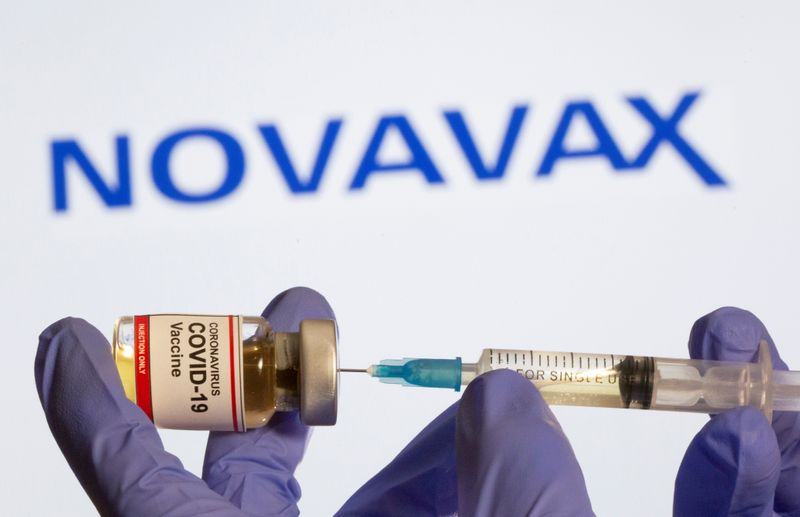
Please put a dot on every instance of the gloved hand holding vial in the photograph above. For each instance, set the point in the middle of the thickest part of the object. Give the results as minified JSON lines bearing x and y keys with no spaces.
{"x":241,"y":373}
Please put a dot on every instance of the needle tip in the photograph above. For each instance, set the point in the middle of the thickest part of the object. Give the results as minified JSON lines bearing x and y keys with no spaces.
{"x":353,"y":370}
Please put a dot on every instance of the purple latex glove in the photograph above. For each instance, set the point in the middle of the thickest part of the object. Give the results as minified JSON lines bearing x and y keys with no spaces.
{"x":738,"y":464}
{"x":499,"y":451}
{"x":117,"y":455}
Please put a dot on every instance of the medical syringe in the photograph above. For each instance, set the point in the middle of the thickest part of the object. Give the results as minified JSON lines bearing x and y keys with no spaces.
{"x":617,"y":381}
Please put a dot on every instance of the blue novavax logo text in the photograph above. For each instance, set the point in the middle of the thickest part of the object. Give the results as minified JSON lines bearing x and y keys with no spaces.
{"x":664,"y":132}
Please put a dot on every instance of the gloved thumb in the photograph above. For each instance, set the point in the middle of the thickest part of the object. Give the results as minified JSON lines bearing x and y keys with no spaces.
{"x":730,"y":468}
{"x":512,"y":457}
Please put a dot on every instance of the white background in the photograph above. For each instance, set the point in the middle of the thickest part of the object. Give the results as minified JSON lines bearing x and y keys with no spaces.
{"x":586,"y":260}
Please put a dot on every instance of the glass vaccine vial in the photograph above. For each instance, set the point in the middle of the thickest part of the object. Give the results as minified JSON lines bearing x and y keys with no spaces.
{"x":226,"y":373}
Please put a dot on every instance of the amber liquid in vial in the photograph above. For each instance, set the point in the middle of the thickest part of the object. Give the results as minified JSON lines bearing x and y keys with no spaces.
{"x":270,"y":372}
{"x":258,"y":378}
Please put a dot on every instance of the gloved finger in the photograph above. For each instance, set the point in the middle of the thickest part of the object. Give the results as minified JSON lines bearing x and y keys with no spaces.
{"x":731,"y":468}
{"x":110,"y":444}
{"x":511,"y":454}
{"x":255,"y":470}
{"x":731,"y":334}
{"x":420,"y":481}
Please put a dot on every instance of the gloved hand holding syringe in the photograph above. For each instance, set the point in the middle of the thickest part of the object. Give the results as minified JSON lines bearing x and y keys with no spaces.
{"x":616,"y":381}
{"x":738,"y":463}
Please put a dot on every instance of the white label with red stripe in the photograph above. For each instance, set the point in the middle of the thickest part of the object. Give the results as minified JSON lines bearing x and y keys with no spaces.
{"x":188,"y":371}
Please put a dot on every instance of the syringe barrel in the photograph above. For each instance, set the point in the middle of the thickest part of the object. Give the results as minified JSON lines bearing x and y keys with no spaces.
{"x":565,"y":378}
{"x":641,"y":382}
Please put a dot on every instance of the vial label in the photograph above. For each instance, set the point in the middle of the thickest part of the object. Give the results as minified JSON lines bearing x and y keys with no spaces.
{"x":188,"y":371}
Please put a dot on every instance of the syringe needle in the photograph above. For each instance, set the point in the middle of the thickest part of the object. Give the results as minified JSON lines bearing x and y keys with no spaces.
{"x":353,"y":370}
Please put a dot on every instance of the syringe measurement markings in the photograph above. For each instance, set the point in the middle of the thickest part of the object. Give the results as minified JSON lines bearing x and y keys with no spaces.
{"x":551,"y":360}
